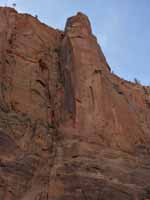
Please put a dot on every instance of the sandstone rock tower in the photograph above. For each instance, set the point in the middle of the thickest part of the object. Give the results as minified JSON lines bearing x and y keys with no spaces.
{"x":82,"y":63}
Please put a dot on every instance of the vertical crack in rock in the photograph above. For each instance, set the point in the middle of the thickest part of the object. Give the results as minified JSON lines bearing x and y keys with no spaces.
{"x":92,"y":97}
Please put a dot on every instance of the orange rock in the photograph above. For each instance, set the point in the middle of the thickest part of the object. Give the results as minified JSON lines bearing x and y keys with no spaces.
{"x":69,"y":128}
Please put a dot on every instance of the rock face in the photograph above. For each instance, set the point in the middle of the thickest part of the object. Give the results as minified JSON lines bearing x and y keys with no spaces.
{"x":69,"y":128}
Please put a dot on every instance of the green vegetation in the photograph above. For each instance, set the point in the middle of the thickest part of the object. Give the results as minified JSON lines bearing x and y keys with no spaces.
{"x":136,"y":81}
{"x":51,"y":126}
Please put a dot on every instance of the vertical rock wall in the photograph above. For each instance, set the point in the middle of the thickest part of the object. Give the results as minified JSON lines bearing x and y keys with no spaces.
{"x":69,"y":128}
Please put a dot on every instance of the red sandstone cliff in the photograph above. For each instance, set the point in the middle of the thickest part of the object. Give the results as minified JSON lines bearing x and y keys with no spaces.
{"x":69,"y":128}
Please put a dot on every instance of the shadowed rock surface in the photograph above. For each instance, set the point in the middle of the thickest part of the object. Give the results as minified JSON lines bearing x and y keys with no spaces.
{"x":69,"y":128}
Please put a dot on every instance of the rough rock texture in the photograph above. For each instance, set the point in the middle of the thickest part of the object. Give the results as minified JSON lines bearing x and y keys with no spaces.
{"x":69,"y":128}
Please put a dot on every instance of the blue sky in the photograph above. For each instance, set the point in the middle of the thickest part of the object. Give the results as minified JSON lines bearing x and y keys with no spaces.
{"x":121,"y":26}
